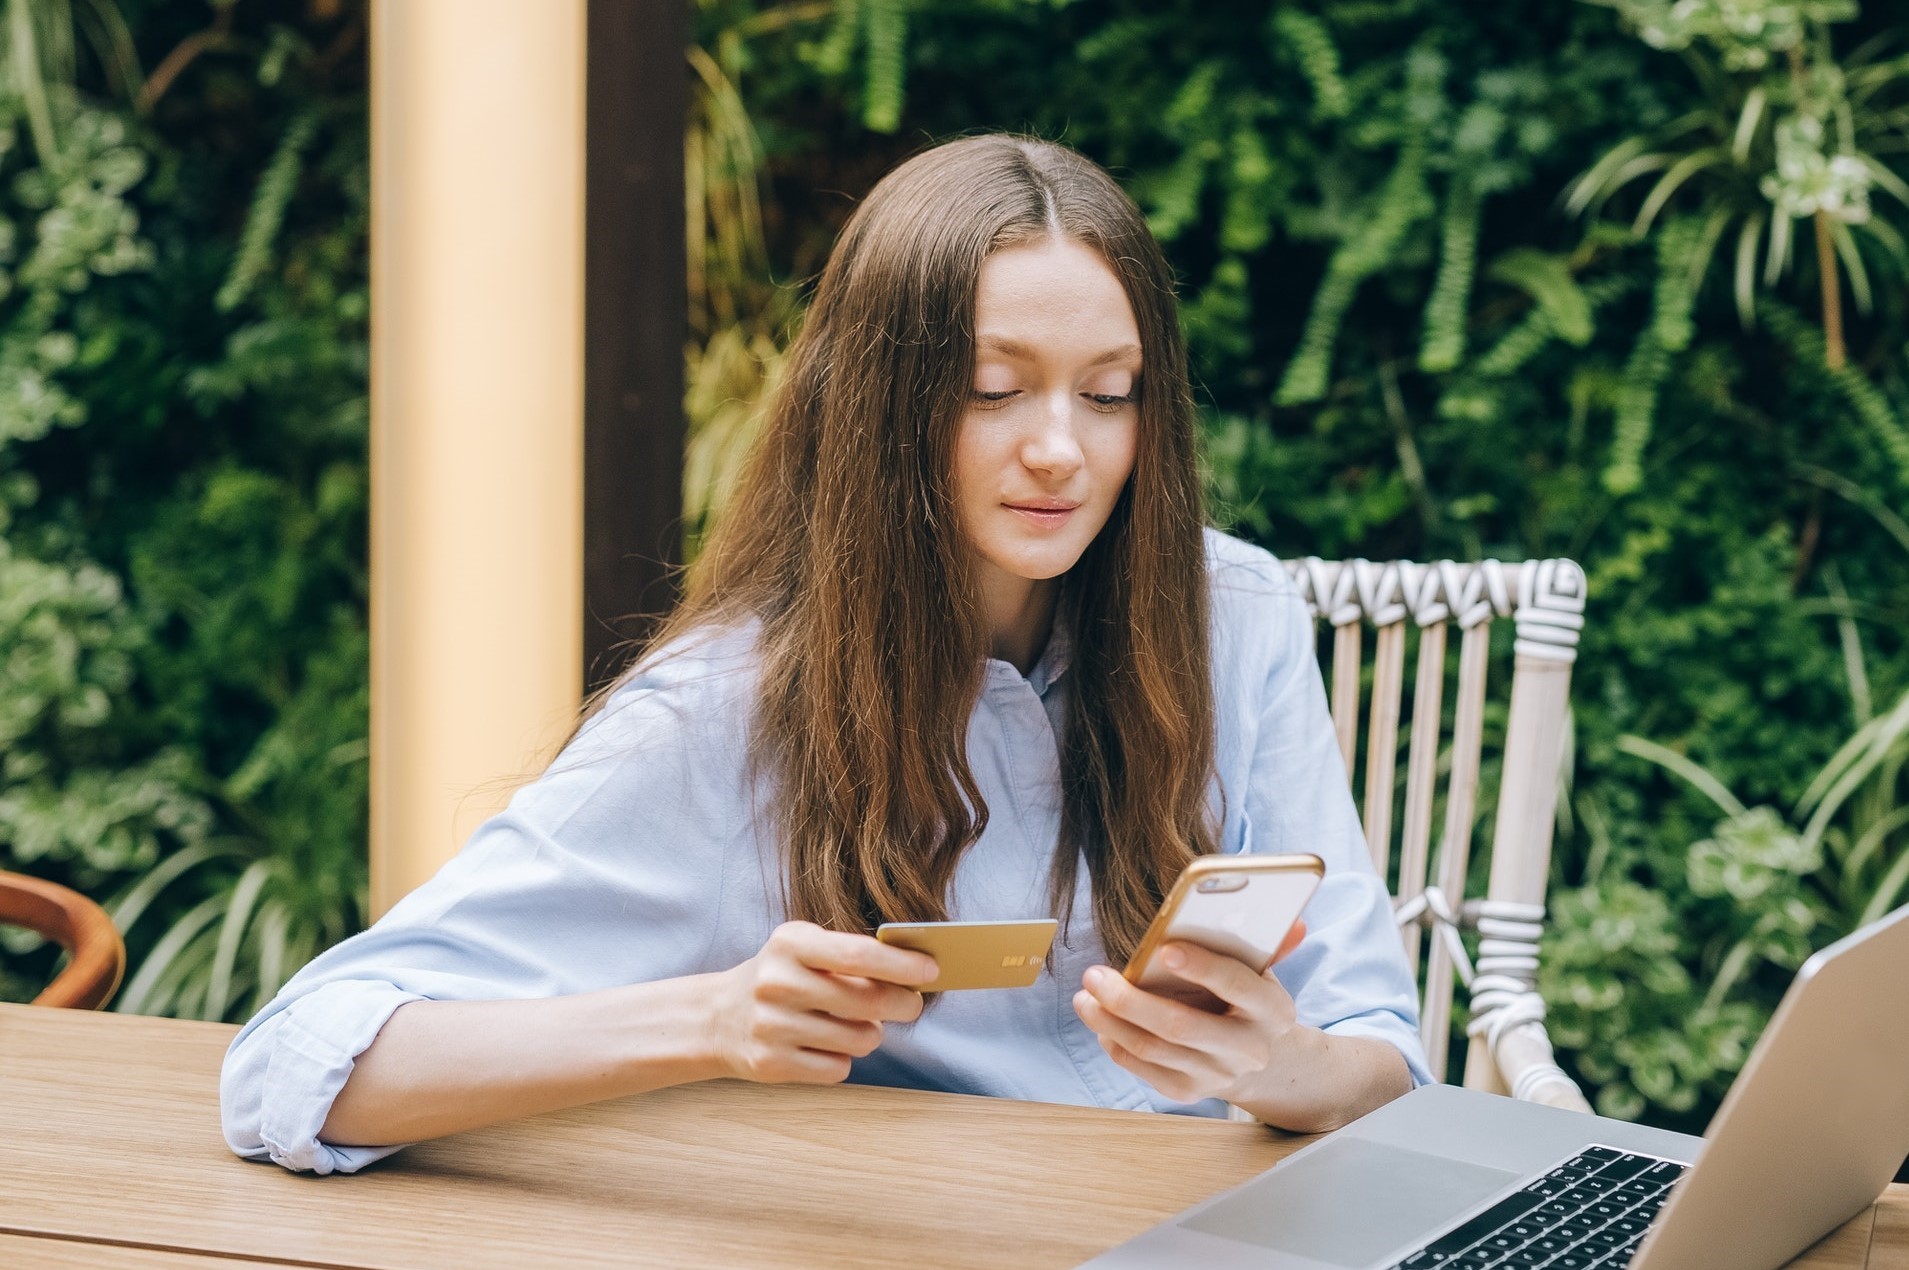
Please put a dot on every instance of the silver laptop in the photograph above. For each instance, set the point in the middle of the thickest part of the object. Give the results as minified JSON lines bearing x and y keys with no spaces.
{"x":1809,"y":1135}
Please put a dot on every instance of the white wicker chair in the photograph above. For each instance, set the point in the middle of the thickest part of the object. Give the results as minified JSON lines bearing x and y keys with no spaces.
{"x":1509,"y":1051}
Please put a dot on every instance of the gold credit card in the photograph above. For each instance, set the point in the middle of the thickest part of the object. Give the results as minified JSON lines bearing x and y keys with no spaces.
{"x":976,"y":954}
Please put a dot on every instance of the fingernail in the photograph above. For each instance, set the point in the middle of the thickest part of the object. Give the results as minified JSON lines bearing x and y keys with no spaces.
{"x":1094,"y":977}
{"x":1173,"y":958}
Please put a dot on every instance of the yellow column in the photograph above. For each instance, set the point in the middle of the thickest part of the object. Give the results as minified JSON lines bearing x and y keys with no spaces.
{"x":477,"y":148}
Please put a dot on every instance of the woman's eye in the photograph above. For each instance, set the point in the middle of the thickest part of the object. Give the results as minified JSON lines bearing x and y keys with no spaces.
{"x":1110,"y":402}
{"x":981,"y":395}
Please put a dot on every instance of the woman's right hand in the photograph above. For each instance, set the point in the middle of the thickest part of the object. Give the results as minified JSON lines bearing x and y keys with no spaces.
{"x":812,"y":1001}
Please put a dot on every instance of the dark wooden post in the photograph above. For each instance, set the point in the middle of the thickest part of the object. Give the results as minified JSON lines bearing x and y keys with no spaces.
{"x":635,"y":302}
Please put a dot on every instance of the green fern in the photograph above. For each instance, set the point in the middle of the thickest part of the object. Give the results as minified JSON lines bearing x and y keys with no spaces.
{"x":1804,"y":340}
{"x":887,"y":61}
{"x":1539,"y":327}
{"x":1245,"y":226}
{"x":1444,"y":341}
{"x":845,"y":23}
{"x":1401,"y":204}
{"x":1548,"y":280}
{"x":1680,"y":253}
{"x":269,"y":201}
{"x":1318,"y":58}
{"x":1174,"y":194}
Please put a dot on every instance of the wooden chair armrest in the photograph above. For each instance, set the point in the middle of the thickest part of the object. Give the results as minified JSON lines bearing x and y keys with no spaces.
{"x":69,"y":919}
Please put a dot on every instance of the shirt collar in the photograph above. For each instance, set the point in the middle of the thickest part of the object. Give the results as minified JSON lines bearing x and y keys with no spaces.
{"x":1059,"y":653}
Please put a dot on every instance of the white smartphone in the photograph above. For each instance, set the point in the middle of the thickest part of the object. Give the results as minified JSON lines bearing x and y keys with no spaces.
{"x":1239,"y":905}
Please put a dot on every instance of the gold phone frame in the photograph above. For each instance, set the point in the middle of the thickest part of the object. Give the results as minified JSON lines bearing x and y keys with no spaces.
{"x":1207,"y":867}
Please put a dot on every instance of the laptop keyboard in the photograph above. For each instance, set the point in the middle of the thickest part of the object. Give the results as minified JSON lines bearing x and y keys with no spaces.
{"x":1592,"y":1210}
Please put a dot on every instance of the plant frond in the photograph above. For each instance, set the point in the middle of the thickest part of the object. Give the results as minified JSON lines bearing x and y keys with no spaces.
{"x":128,"y":909}
{"x":238,"y":916}
{"x":1871,"y":841}
{"x":1747,"y":121}
{"x":1698,"y":776}
{"x":1781,"y":228}
{"x":1888,"y":180}
{"x":1746,"y":271}
{"x":1596,"y":183}
{"x":1836,"y":483}
{"x":141,"y":995}
{"x":1850,"y":766}
{"x":1887,"y":891}
{"x":1890,"y":240}
{"x":1668,"y":184}
{"x":1852,"y":264}
{"x":1548,"y":280}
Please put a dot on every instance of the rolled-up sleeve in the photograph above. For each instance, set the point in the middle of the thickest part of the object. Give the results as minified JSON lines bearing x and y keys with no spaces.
{"x":284,"y":1070}
{"x":1349,"y":976}
{"x":603,"y":871}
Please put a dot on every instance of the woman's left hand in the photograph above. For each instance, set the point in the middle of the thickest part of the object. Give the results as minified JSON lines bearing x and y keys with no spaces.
{"x":1187,"y":1053}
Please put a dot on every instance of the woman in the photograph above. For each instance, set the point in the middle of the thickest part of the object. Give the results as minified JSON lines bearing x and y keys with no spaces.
{"x":959,"y":649}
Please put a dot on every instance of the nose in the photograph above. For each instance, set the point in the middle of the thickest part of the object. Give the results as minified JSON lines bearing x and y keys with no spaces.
{"x":1051,"y":446}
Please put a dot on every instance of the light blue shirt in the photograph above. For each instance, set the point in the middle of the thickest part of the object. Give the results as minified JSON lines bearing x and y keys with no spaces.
{"x":645,"y":853}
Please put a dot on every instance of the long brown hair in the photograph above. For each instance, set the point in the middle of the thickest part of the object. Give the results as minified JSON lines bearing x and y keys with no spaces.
{"x":842,"y":539}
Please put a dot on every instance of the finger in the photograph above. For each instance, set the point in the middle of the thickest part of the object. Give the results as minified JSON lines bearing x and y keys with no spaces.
{"x":798,"y":1067}
{"x":1293,"y":936}
{"x":806,"y":1029}
{"x":1174,"y":1084}
{"x":817,"y":1067}
{"x":841,"y":952}
{"x":1228,"y":978}
{"x":1157,"y":1028}
{"x":869,"y":1000}
{"x":1148,"y":1046}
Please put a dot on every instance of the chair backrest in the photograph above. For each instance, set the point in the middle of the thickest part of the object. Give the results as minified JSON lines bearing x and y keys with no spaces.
{"x":1545,"y":600}
{"x":97,"y":954}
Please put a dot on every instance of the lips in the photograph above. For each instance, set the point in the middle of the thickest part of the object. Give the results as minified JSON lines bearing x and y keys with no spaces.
{"x":1044,"y":513}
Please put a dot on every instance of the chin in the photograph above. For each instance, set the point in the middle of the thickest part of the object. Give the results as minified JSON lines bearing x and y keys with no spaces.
{"x":1037,"y":566}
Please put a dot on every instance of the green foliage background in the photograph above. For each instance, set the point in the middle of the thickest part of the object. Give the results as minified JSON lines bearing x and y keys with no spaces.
{"x":183,"y":491}
{"x":1406,"y":346}
{"x":1409,"y":348}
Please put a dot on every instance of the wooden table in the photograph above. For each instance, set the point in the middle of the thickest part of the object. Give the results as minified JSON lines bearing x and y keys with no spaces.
{"x":110,"y":1156}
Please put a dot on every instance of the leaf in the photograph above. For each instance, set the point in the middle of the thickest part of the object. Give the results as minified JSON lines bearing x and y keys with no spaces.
{"x":1882,"y":176}
{"x":274,"y":194}
{"x":132,"y":905}
{"x":1745,"y":282}
{"x":1617,"y":168}
{"x":1747,"y":121}
{"x":141,"y":995}
{"x":886,"y":33}
{"x":1693,"y":772}
{"x":1667,"y":185}
{"x":1548,"y":280}
{"x":1892,"y":242}
{"x":1852,"y":264}
{"x":232,"y":929}
{"x":1851,"y":766}
{"x":1779,"y":254}
{"x":1871,"y":842}
{"x":1887,"y":891}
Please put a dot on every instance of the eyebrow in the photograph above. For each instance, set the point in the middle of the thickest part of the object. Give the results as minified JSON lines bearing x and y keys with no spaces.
{"x":1126,"y":352}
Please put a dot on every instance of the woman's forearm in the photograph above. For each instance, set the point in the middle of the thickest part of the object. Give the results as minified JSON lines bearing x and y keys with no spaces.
{"x":441,"y":1067}
{"x":1335,"y":1080}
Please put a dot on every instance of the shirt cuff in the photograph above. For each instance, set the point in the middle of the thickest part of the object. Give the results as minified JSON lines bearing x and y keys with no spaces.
{"x":313,"y":1048}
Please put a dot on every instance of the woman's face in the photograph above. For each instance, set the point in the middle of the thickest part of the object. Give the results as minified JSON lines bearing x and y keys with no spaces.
{"x":1048,"y":438}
